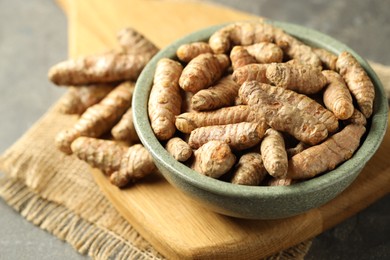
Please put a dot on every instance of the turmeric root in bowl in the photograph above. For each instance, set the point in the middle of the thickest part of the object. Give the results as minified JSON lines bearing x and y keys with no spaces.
{"x":260,"y":119}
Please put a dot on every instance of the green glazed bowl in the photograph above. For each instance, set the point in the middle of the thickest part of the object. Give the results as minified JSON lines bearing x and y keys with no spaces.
{"x":259,"y":202}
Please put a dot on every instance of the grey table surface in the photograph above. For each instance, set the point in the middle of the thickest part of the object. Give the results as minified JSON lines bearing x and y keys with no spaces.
{"x":33,"y":37}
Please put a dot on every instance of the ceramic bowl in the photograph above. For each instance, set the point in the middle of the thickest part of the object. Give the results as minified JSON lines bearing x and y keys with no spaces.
{"x":259,"y":202}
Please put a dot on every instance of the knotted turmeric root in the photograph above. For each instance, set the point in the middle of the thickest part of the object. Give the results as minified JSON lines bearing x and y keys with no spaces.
{"x":282,"y":116}
{"x":273,"y":153}
{"x":337,"y":97}
{"x":187,"y":52}
{"x":302,"y":102}
{"x":249,"y":170}
{"x":238,"y":136}
{"x":189,"y":121}
{"x":99,"y":118}
{"x":222,"y":94}
{"x":240,"y":57}
{"x":250,"y":72}
{"x":136,"y":164}
{"x":109,"y":67}
{"x":179,"y":149}
{"x":78,"y":99}
{"x":124,"y":130}
{"x":202,"y":71}
{"x":102,"y":154}
{"x":265,"y":52}
{"x":304,"y":79}
{"x":357,"y":81}
{"x":122,"y":164}
{"x":213,"y":159}
{"x":327,"y":155}
{"x":165,"y":100}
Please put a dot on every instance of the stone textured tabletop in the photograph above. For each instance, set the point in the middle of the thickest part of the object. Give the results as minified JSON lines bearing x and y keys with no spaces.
{"x":33,"y":37}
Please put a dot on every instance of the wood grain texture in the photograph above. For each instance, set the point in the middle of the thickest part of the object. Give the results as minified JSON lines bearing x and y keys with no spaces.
{"x":173,"y":223}
{"x":97,"y":22}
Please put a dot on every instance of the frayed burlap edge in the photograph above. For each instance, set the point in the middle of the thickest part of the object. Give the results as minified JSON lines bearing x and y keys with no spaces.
{"x":85,"y":237}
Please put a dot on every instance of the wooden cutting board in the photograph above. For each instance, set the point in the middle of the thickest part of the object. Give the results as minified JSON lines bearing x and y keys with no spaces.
{"x":174,"y":224}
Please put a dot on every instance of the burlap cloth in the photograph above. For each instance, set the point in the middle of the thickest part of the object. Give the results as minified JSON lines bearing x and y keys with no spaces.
{"x":57,"y":193}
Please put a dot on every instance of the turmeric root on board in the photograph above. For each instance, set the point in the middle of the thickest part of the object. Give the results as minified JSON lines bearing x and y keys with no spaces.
{"x":78,"y":99}
{"x":133,"y":42}
{"x":213,"y":159}
{"x":238,"y":136}
{"x":179,"y":149}
{"x":189,"y":121}
{"x":108,"y":67}
{"x":282,"y":116}
{"x":203,"y":71}
{"x":124,"y":130}
{"x":102,"y":154}
{"x":301,"y":78}
{"x":337,"y":97}
{"x":241,"y":33}
{"x":327,"y":58}
{"x":357,"y":81}
{"x":165,"y":99}
{"x":251,"y":72}
{"x":303,"y":103}
{"x":222,"y":94}
{"x":136,"y":164}
{"x":239,"y":57}
{"x":249,"y":170}
{"x":273,"y":153}
{"x":327,"y":155}
{"x":187,"y":52}
{"x":99,"y":118}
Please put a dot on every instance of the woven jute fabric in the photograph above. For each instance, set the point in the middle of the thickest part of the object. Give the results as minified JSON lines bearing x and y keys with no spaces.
{"x":57,"y":193}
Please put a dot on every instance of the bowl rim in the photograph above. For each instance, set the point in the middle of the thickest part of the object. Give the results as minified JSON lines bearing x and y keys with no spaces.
{"x":371,"y":143}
